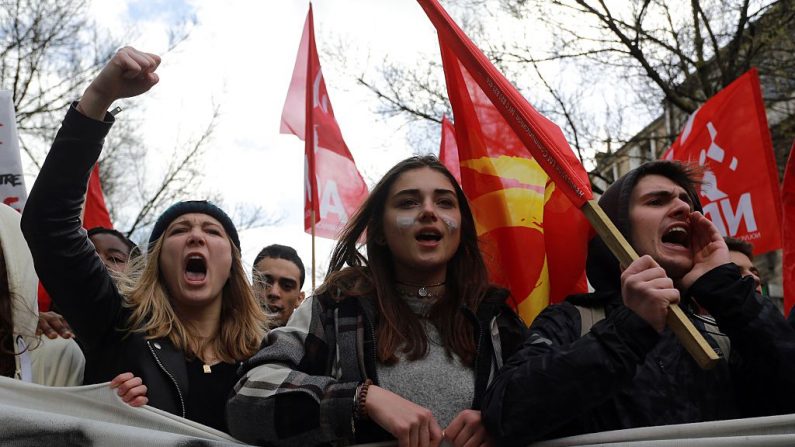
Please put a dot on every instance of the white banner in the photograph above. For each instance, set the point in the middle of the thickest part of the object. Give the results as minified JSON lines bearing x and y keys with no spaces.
{"x":12,"y":180}
{"x":38,"y":415}
{"x":33,"y":414}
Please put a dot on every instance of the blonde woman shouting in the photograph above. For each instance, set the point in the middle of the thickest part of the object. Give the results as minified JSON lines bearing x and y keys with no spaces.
{"x":185,"y":315}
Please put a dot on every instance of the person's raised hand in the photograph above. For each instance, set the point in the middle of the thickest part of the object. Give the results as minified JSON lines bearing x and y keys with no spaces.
{"x":648,"y":291}
{"x":53,"y":325}
{"x":130,"y":388}
{"x":467,"y":430}
{"x":708,"y":248}
{"x":410,"y":423}
{"x":129,"y":73}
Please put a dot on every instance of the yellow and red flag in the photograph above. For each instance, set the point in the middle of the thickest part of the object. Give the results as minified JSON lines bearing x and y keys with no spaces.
{"x":448,"y":149}
{"x":533,"y":237}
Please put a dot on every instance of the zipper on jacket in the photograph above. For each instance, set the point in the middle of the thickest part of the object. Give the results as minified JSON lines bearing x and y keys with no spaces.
{"x":173,"y":380}
{"x":373,"y":349}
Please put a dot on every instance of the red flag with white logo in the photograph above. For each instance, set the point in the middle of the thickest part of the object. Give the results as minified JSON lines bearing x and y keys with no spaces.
{"x":788,"y":237}
{"x":448,"y":149}
{"x":334,"y":189}
{"x":533,"y":237}
{"x":729,"y":137}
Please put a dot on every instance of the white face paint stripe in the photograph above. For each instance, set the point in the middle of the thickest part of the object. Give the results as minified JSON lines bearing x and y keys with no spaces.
{"x":404,"y":223}
{"x":451,"y":224}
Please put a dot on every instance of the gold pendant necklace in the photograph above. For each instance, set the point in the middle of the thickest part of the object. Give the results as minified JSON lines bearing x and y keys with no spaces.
{"x":207,"y":369}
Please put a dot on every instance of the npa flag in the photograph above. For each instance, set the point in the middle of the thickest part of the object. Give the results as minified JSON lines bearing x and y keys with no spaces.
{"x":788,"y":237}
{"x":95,"y":211}
{"x":448,"y":149}
{"x":334,"y":189}
{"x":729,"y":137}
{"x":533,"y":238}
{"x":12,"y":180}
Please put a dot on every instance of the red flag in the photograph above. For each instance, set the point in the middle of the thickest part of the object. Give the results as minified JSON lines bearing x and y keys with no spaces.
{"x":448,"y":149}
{"x":540,"y":136}
{"x":534,"y":239}
{"x":729,"y":137}
{"x":334,"y":189}
{"x":95,"y":212}
{"x":788,"y":202}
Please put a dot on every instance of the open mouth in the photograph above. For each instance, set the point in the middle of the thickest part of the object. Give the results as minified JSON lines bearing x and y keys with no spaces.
{"x":677,"y":236}
{"x":429,"y":236}
{"x":196,"y":268}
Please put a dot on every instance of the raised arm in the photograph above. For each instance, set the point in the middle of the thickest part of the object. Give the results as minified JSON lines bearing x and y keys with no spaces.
{"x":65,"y":260}
{"x":130,"y":73}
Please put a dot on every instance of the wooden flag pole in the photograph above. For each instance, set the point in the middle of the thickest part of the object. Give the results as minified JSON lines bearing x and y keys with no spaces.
{"x":547,"y":145}
{"x":687,"y":334}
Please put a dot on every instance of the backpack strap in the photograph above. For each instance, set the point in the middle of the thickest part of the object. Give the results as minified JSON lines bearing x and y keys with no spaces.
{"x":592,"y":315}
{"x":713,"y":332}
{"x":589,"y":316}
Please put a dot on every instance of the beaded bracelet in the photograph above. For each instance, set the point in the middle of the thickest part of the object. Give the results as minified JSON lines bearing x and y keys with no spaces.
{"x":360,"y":411}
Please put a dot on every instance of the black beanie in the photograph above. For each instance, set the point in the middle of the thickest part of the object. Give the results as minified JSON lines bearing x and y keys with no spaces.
{"x":193,"y":206}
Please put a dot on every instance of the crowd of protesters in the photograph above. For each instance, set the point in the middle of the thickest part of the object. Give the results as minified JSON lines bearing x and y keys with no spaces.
{"x":405,"y":339}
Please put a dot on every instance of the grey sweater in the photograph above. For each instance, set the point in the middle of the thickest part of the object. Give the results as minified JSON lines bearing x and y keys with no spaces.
{"x":437,"y":382}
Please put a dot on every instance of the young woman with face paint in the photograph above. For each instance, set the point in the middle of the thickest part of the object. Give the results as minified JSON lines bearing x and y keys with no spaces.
{"x":399,"y":342}
{"x":181,"y":318}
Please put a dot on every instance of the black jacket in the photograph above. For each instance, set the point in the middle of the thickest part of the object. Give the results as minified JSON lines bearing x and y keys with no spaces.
{"x":78,"y":281}
{"x":299,"y":389}
{"x":623,"y":374}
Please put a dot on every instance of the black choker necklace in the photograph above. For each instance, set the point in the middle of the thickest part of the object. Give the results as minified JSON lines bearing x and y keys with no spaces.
{"x":422,"y":291}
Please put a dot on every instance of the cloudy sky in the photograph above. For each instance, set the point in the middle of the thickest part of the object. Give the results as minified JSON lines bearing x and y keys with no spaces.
{"x":240,"y":56}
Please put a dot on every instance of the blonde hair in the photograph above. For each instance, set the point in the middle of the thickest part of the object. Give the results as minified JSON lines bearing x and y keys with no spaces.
{"x":242,"y":324}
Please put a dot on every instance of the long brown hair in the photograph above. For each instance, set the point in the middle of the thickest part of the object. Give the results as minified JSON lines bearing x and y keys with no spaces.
{"x":466,"y":280}
{"x":242,"y":319}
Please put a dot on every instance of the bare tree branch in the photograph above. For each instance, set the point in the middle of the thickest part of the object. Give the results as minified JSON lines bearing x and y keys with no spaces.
{"x":181,"y":173}
{"x":49,"y":51}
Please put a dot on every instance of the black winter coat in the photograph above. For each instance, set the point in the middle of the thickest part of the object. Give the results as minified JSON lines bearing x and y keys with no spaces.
{"x":78,"y":281}
{"x":623,"y":374}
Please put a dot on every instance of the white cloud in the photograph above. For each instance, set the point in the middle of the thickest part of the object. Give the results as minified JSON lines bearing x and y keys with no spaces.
{"x":240,"y":55}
